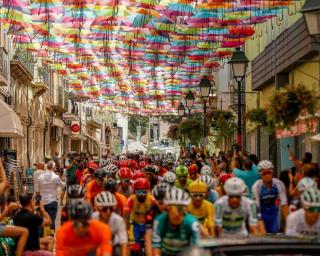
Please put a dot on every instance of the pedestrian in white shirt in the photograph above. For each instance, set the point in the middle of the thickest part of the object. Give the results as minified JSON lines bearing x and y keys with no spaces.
{"x":37,"y":173}
{"x":47,"y":184}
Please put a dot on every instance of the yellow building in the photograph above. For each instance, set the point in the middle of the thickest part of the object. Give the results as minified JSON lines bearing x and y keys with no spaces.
{"x":281,"y":53}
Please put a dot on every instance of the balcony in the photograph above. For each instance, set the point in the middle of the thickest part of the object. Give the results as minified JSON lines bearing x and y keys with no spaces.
{"x":41,"y":81}
{"x":60,"y":102}
{"x":4,"y":74}
{"x":22,"y":66}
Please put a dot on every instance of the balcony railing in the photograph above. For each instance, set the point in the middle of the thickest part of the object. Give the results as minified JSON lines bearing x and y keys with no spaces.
{"x":42,"y":75}
{"x":26,"y":59}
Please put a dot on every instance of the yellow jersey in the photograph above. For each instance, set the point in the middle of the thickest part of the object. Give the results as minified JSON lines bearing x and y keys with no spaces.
{"x":204,"y":214}
{"x":138,"y":210}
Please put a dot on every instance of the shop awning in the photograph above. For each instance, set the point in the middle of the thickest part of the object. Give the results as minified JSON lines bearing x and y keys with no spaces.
{"x":10,"y":125}
{"x":94,"y":139}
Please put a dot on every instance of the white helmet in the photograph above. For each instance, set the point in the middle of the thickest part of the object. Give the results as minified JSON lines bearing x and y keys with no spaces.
{"x":169,"y":177}
{"x":264,"y":165}
{"x":311,"y":198}
{"x":235,"y":187}
{"x":122,"y":157}
{"x":176,"y":196}
{"x":111,"y":169}
{"x":103,"y":163}
{"x":306,"y":183}
{"x":206,"y":170}
{"x":208,"y":180}
{"x":105,"y":199}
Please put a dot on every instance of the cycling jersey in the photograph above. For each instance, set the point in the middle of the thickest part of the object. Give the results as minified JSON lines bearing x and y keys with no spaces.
{"x":97,"y":238}
{"x":296,"y":225}
{"x":122,"y":207}
{"x":268,"y":201}
{"x":138,"y":210}
{"x":92,"y":189}
{"x":204,"y":214}
{"x":125,"y":193}
{"x":185,"y":187}
{"x":233,"y":221}
{"x":173,"y":240}
{"x":117,"y":226}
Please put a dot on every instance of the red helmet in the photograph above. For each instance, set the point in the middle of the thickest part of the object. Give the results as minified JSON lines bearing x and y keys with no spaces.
{"x":141,"y":184}
{"x":93,"y":166}
{"x":193,"y":169}
{"x":143,"y":164}
{"x":125,"y":173}
{"x":137,"y":175}
{"x":224,"y":177}
{"x":124,"y":163}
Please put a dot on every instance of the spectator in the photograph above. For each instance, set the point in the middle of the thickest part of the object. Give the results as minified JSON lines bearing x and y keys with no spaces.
{"x":33,"y":222}
{"x":11,"y":231}
{"x":248,"y":175}
{"x":47,"y":185}
{"x":37,"y":173}
{"x":56,"y":160}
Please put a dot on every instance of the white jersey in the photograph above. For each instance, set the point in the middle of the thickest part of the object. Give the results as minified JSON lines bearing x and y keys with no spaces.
{"x":296,"y":225}
{"x":117,"y":226}
{"x":233,"y":221}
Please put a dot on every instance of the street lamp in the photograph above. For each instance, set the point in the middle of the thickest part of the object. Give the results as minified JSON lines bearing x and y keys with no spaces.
{"x":239,"y":64}
{"x":189,"y":99}
{"x":181,"y":109}
{"x":205,"y":89}
{"x":311,"y":13}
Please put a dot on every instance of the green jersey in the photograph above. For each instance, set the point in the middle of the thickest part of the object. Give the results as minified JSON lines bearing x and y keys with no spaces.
{"x":173,"y":240}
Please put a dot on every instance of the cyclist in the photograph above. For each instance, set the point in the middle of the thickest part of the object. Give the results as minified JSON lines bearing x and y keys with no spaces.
{"x":105,"y":203}
{"x":211,"y":194}
{"x":111,"y":170}
{"x":169,"y":177}
{"x":221,"y":181}
{"x":125,"y":177}
{"x":88,"y":174}
{"x":110,"y":185}
{"x":233,"y":210}
{"x":95,"y":186}
{"x":74,"y":192}
{"x":270,"y":193}
{"x":152,"y":172}
{"x":193,"y":172}
{"x":81,"y":235}
{"x":174,"y":230}
{"x":182,"y":177}
{"x":206,"y":170}
{"x":139,"y":205}
{"x":201,"y":208}
{"x":305,"y":221}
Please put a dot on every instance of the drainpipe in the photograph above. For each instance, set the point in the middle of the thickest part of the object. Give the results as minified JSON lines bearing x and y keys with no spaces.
{"x":28,"y":126}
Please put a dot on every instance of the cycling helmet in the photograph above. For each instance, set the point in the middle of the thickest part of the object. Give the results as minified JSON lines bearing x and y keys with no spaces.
{"x":142,"y":164}
{"x":206,"y":170}
{"x":79,"y":209}
{"x":106,"y":162}
{"x":311,"y":198}
{"x":224,"y":177}
{"x":122,"y":157}
{"x":193,"y":169}
{"x":75,"y":191}
{"x":197,"y":186}
{"x":181,"y":170}
{"x":306,"y":183}
{"x":208,"y":180}
{"x":235,"y":187}
{"x":169,"y":177}
{"x":137,"y":175}
{"x":103,"y":163}
{"x":159,"y":191}
{"x":264,"y":165}
{"x":100,"y":173}
{"x":151,"y":169}
{"x":110,"y":169}
{"x":170,"y":161}
{"x":185,"y":162}
{"x":125,"y":173}
{"x":110,"y":184}
{"x":105,"y":199}
{"x":141,"y":184}
{"x":93,"y":166}
{"x":176,"y":196}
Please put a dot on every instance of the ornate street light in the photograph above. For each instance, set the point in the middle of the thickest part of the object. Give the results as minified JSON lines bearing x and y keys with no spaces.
{"x":181,"y":109}
{"x":311,"y":13}
{"x":239,"y":63}
{"x":189,"y":99}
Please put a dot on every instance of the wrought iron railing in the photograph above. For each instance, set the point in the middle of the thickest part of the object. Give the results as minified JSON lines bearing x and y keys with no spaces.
{"x":26,"y":59}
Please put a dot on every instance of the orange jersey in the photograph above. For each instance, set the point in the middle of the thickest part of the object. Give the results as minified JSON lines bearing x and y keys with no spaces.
{"x":92,"y":189}
{"x":122,"y":206}
{"x":98,"y":239}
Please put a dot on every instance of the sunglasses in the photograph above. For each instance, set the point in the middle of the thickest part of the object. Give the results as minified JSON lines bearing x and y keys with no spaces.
{"x":182,"y":176}
{"x":313,"y":209}
{"x":198,"y":195}
{"x":141,"y":193}
{"x":266,"y":173}
{"x":235,"y":197}
{"x":106,"y":209}
{"x":81,"y":223}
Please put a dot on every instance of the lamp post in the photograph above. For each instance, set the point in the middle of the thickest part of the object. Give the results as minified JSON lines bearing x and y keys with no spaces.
{"x":181,"y":110}
{"x":311,"y":13}
{"x":239,"y":63}
{"x":189,"y":99}
{"x":205,"y":90}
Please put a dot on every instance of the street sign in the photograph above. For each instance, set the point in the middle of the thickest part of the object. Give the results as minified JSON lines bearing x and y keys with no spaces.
{"x":75,"y":127}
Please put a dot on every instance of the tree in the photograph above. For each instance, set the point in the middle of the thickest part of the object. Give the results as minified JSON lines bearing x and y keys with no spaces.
{"x":134,"y":121}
